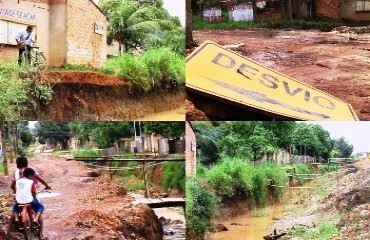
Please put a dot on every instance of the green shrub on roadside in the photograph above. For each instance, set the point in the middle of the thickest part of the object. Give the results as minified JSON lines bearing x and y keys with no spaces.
{"x":156,"y":69}
{"x":14,"y":91}
{"x":133,"y":70}
{"x":201,"y":206}
{"x":174,"y":176}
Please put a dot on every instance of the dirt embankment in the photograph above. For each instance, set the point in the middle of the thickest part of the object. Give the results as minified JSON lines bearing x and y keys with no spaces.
{"x":90,"y":96}
{"x":84,"y":207}
{"x":336,"y":63}
{"x":349,"y":200}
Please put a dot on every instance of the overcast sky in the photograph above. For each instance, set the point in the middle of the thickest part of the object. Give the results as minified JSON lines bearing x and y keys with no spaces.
{"x":174,"y":7}
{"x":356,"y":133}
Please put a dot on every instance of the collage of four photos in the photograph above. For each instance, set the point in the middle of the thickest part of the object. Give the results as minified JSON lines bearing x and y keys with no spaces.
{"x":184,"y":119}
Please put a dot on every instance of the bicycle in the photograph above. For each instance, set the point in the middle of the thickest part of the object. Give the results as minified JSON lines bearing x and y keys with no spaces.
{"x":33,"y":58}
{"x":26,"y":224}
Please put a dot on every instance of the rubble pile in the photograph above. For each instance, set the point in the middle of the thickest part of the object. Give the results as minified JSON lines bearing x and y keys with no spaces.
{"x":352,"y":30}
{"x":355,"y":225}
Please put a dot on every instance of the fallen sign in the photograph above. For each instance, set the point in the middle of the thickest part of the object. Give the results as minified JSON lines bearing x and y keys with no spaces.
{"x":219,"y":73}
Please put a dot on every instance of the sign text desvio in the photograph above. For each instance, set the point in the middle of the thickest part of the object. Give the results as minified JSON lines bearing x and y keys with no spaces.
{"x":230,"y":77}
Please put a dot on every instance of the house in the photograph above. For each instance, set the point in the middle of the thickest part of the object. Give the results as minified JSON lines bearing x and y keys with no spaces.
{"x":349,"y":10}
{"x":190,"y":150}
{"x":67,"y":31}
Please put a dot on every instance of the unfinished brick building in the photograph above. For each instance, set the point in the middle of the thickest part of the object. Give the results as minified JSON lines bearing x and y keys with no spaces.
{"x":190,"y":150}
{"x":67,"y":31}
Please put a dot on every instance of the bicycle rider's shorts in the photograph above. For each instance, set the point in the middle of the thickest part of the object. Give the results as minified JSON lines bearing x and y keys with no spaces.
{"x":36,"y":206}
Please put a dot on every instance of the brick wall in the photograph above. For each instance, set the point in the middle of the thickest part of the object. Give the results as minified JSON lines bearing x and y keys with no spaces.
{"x":84,"y":46}
{"x":328,"y":9}
{"x":190,"y":155}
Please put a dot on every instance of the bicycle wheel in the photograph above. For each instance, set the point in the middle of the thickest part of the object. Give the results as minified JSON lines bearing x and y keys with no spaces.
{"x":27,"y":227}
{"x":40,"y":61}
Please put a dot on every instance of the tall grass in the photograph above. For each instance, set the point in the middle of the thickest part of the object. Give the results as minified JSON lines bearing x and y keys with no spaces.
{"x":15,"y":92}
{"x":235,"y":178}
{"x":201,"y":206}
{"x":158,"y":68}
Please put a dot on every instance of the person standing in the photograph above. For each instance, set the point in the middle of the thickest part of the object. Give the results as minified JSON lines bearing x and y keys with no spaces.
{"x":24,"y":42}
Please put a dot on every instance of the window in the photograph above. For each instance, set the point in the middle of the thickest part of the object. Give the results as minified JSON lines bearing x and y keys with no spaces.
{"x":9,"y":30}
{"x":362,"y":5}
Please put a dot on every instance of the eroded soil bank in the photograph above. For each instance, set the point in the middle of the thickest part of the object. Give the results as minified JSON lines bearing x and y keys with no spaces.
{"x":91,"y":96}
{"x":334,"y":62}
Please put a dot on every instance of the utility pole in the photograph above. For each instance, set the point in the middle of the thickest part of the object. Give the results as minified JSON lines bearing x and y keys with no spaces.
{"x":3,"y":148}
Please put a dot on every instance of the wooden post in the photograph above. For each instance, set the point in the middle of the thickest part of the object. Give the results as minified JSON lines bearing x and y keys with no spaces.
{"x":146,"y":184}
{"x":3,"y":148}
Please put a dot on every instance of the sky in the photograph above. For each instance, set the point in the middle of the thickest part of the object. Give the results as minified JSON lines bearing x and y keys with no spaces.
{"x":174,"y":7}
{"x":356,"y":133}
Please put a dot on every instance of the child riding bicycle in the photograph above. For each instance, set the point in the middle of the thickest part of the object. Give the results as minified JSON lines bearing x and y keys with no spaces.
{"x":22,"y":165}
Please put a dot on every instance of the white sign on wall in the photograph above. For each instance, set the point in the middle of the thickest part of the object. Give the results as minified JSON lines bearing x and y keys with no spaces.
{"x":212,"y":14}
{"x":241,"y":12}
{"x":99,"y":28}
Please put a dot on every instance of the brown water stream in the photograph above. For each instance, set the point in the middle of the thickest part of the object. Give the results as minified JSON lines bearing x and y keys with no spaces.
{"x":255,"y":224}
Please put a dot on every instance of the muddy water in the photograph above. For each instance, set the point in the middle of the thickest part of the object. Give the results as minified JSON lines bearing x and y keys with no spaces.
{"x":171,"y":115}
{"x":255,"y":224}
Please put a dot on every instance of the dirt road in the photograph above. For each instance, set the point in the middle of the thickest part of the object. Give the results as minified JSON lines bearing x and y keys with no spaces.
{"x":338,"y":64}
{"x":80,"y":206}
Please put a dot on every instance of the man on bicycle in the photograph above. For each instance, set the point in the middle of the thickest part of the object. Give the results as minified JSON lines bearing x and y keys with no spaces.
{"x":24,"y":42}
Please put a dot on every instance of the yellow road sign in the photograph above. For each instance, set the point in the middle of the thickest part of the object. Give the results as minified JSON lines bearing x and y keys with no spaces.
{"x":223,"y":74}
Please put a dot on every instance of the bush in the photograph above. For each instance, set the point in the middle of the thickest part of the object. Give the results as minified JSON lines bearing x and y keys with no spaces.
{"x":133,"y":70}
{"x":14,"y":91}
{"x":86,"y":153}
{"x":156,"y":68}
{"x":174,"y":176}
{"x":201,"y":205}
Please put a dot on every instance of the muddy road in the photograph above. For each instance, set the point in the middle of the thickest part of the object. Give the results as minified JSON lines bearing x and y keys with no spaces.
{"x":336,"y":63}
{"x":83,"y":207}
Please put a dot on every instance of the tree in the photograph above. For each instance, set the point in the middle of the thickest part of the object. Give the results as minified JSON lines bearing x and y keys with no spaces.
{"x":343,"y":147}
{"x":104,"y":134}
{"x":138,"y":23}
{"x":55,"y":132}
{"x":168,"y":129}
{"x":208,"y":142}
{"x":189,"y":25}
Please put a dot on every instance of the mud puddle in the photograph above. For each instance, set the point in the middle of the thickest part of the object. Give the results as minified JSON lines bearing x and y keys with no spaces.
{"x":256,"y":224}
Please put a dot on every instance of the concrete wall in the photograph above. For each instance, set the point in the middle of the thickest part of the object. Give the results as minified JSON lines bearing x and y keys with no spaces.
{"x":40,"y":10}
{"x":58,"y":31}
{"x":349,"y":12}
{"x":84,"y":46}
{"x":190,"y":150}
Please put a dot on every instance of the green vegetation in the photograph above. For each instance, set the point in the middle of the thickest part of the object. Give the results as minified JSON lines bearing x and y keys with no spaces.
{"x":237,"y":161}
{"x":174,"y":176}
{"x":323,"y":230}
{"x":235,"y":178}
{"x":201,"y":206}
{"x":14,"y":91}
{"x":85,"y":153}
{"x":304,"y":24}
{"x":328,"y":168}
{"x":155,"y":69}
